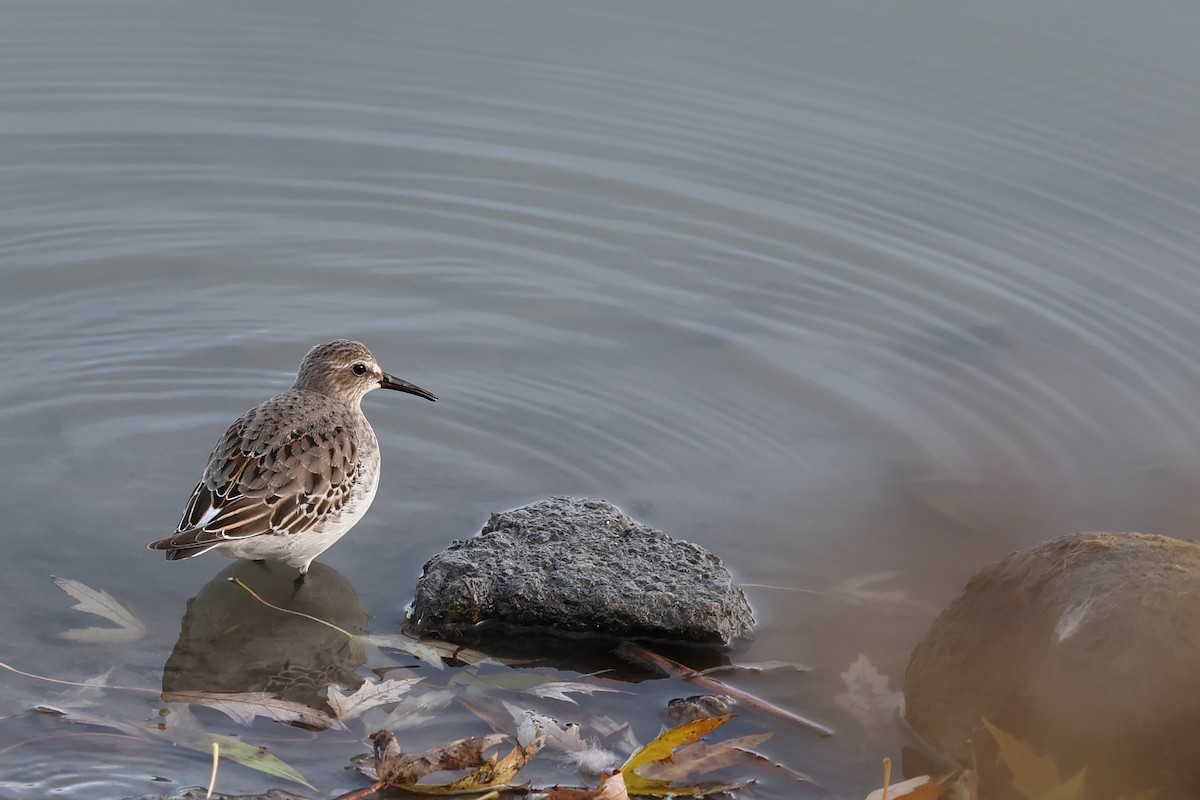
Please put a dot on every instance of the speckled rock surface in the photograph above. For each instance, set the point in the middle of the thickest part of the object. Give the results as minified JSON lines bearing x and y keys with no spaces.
{"x":583,"y":567}
{"x":1086,"y":648}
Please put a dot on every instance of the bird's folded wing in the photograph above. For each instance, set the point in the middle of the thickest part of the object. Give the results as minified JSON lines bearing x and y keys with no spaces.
{"x":258,"y":483}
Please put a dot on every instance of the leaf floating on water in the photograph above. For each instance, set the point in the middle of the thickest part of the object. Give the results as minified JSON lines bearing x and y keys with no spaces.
{"x":558,"y":690}
{"x":81,"y":696}
{"x":755,"y":667}
{"x":78,"y":718}
{"x":430,"y":654}
{"x":244,"y":707}
{"x":102,"y":604}
{"x":852,"y":591}
{"x":662,"y":750}
{"x":919,"y":788}
{"x":402,"y":770}
{"x":868,"y":697}
{"x":368,"y":696}
{"x":612,"y":787}
{"x":1033,"y":775}
{"x":256,"y":758}
{"x":698,"y":758}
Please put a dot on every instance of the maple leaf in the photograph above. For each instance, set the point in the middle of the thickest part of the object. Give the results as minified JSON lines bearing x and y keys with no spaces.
{"x":557,"y":690}
{"x":368,"y":696}
{"x":1033,"y":775}
{"x":868,"y":697}
{"x":102,"y":604}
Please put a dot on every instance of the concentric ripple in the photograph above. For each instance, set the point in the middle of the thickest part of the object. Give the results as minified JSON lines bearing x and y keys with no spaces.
{"x":831,"y":289}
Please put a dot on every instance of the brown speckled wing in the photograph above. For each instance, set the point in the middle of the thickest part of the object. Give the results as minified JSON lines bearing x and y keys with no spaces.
{"x":265,"y":477}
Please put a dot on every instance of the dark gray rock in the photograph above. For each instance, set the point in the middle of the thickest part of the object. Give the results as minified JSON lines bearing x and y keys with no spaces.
{"x":581,"y":567}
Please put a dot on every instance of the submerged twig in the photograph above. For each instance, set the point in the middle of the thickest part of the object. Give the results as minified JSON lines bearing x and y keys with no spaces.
{"x":638,"y":653}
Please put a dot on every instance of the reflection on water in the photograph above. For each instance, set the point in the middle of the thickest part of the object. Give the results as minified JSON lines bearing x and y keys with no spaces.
{"x":231,"y":642}
{"x":832,"y":289}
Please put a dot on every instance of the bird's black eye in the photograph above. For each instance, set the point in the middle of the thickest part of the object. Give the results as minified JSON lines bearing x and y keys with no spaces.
{"x":359,"y":369}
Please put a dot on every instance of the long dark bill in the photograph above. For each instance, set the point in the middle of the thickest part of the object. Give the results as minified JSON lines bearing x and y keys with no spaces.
{"x":401,"y":385}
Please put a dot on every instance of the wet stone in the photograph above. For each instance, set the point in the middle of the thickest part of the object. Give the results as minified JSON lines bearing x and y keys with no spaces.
{"x":576,"y":566}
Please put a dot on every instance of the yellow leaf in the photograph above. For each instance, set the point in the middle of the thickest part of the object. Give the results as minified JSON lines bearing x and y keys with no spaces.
{"x":661,"y":748}
{"x":1144,"y":794}
{"x":1067,"y":790}
{"x":1033,"y":775}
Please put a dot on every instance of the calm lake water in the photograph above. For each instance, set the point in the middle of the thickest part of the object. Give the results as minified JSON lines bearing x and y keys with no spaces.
{"x":832,"y":289}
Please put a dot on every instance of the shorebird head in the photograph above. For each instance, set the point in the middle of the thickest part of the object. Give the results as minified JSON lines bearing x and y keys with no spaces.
{"x":347,"y":369}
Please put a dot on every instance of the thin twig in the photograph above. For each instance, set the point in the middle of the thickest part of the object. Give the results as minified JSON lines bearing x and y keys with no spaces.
{"x":213,"y":780}
{"x":639,"y":653}
{"x":142,"y":689}
{"x":255,"y":595}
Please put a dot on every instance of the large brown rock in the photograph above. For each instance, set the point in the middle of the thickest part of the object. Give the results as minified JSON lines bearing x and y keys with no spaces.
{"x":1086,"y":647}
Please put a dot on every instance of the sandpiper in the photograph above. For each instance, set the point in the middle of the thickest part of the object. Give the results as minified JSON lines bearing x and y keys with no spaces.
{"x":291,"y":476}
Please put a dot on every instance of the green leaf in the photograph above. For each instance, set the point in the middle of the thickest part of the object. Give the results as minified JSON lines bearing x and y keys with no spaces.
{"x":258,"y":758}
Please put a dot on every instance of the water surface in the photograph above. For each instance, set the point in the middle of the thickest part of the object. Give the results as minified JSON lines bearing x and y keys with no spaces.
{"x":832,"y":289}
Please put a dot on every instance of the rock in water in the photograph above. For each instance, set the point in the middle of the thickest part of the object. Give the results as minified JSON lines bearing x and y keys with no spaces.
{"x":579,"y":566}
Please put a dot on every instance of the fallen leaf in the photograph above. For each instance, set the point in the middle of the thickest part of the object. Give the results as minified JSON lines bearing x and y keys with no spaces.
{"x":403,"y":770}
{"x":662,"y":749}
{"x":699,"y":758}
{"x":1067,"y":790}
{"x":102,"y":604}
{"x":852,"y":592}
{"x":868,"y":697}
{"x":566,"y":738}
{"x":431,"y":655}
{"x":368,"y":696}
{"x":78,"y":718}
{"x":1033,"y":775}
{"x":244,"y":707}
{"x":919,"y":788}
{"x":256,"y":758}
{"x":755,"y":667}
{"x":413,"y":710}
{"x":557,"y":690}
{"x":1144,"y":794}
{"x":612,"y":787}
{"x":81,"y":696}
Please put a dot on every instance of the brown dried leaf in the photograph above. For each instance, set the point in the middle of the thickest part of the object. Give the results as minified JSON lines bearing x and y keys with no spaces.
{"x":612,"y":788}
{"x":402,"y":770}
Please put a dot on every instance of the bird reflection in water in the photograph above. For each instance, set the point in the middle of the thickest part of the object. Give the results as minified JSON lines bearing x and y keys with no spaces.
{"x":231,"y":642}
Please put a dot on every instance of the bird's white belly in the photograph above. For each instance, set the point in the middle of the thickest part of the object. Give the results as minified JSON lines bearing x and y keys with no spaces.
{"x":298,"y":550}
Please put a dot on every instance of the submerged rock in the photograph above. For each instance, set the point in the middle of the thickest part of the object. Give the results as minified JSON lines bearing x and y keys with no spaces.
{"x":1087,"y":649}
{"x":580,"y":566}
